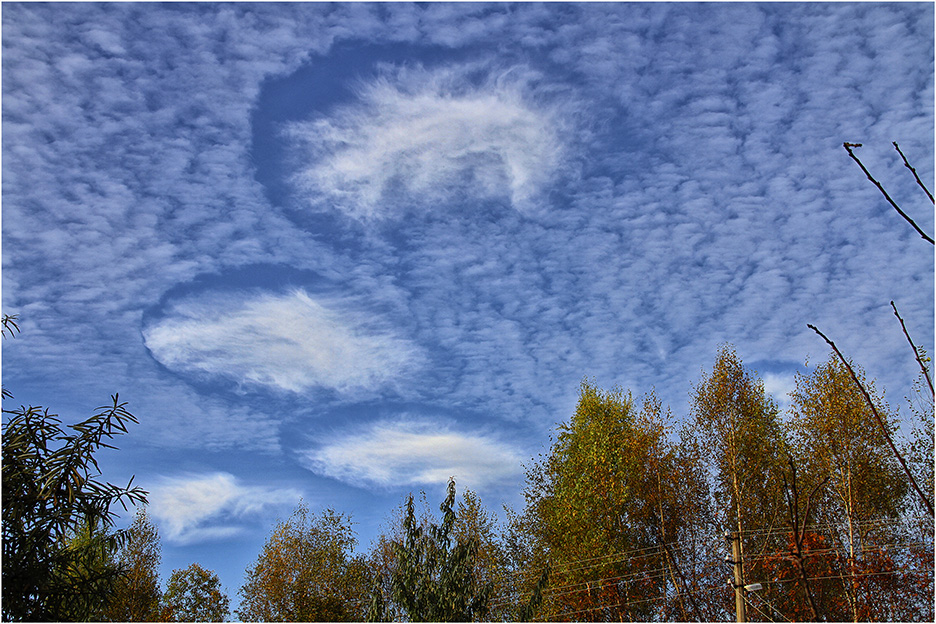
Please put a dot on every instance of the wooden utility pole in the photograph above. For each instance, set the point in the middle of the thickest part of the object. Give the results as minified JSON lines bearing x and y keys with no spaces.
{"x":738,"y":576}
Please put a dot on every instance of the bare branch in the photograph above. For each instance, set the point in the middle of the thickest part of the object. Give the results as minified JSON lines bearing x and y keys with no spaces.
{"x":792,"y":495}
{"x":9,"y":325}
{"x":877,"y":417}
{"x":848,"y":148}
{"x":918,"y":180}
{"x":916,"y":353}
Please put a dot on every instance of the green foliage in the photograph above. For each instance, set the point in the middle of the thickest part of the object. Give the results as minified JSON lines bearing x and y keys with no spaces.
{"x":194,"y":595}
{"x":306,"y":572}
{"x":433,"y":577}
{"x":51,"y":493}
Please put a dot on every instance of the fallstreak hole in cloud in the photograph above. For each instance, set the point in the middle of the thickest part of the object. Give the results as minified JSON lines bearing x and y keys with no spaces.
{"x":289,"y":342}
{"x":779,"y":386}
{"x":409,"y":453}
{"x":416,"y":137}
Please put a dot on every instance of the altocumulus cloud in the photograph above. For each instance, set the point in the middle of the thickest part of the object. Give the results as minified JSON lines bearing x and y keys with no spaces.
{"x":193,"y":508}
{"x":415,"y":452}
{"x":289,"y":342}
{"x":423,"y":137}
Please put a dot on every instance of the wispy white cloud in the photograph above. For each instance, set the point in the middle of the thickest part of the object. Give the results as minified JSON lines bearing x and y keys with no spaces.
{"x":198,"y":507}
{"x":289,"y":342}
{"x":413,"y":452}
{"x":418,"y":137}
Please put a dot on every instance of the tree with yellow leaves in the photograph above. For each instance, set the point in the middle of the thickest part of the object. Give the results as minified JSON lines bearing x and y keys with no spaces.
{"x":600,"y":514}
{"x":837,"y":441}
{"x":194,"y":595}
{"x":135,"y":596}
{"x":737,"y":425}
{"x":306,"y":572}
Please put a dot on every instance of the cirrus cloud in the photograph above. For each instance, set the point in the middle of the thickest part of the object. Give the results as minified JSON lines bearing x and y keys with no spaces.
{"x":194,"y":508}
{"x":420,"y":137}
{"x":289,"y":342}
{"x":415,"y":452}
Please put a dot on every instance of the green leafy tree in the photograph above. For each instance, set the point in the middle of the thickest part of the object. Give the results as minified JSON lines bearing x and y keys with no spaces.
{"x":306,"y":572}
{"x":51,"y":493}
{"x":136,"y":594}
{"x":194,"y":595}
{"x":434,"y":569}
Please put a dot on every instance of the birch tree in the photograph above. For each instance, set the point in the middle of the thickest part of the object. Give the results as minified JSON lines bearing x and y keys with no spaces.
{"x":306,"y":572}
{"x":737,"y":426}
{"x":136,"y":594}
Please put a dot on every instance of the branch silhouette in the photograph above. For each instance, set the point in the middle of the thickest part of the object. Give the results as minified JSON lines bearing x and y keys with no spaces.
{"x":915,"y":176}
{"x":848,"y":148}
{"x":877,"y":417}
{"x":915,"y":351}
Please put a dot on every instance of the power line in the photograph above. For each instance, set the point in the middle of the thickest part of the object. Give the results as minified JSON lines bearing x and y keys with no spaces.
{"x":586,"y":585}
{"x":881,"y":522}
{"x":753,"y":606}
{"x":626,"y":603}
{"x":615,"y":555}
{"x":746,"y":597}
{"x":872,"y":549}
{"x":632,"y":556}
{"x":835,"y":576}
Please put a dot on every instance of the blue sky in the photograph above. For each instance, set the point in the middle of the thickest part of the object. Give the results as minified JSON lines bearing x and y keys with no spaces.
{"x":342,"y":252}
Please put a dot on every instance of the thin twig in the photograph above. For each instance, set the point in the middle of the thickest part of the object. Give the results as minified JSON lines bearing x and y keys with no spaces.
{"x":791,"y":493}
{"x":915,"y":352}
{"x":848,"y":148}
{"x":919,"y":181}
{"x":672,"y":559}
{"x":877,"y":417}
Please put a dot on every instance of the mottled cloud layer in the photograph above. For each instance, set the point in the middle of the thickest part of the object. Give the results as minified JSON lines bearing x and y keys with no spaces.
{"x":288,"y":342}
{"x":548,"y":191}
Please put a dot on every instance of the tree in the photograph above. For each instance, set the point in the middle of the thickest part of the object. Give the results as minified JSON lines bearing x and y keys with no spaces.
{"x":679,"y":493}
{"x":600,"y":515}
{"x":136,"y":594}
{"x":306,"y":572}
{"x":51,"y":492}
{"x":838,"y":442}
{"x":490,"y":565}
{"x":194,"y":595}
{"x":433,"y":571}
{"x":919,"y":355}
{"x":738,"y":428}
{"x":920,"y":451}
